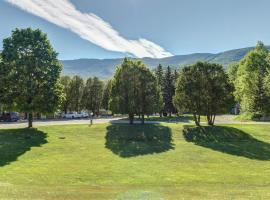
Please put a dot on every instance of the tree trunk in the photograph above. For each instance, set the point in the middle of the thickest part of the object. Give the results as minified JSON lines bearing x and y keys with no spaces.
{"x":197,"y":119}
{"x":142,"y":118}
{"x":211,"y":119}
{"x":30,"y":120}
{"x":160,"y":114}
{"x":131,"y":118}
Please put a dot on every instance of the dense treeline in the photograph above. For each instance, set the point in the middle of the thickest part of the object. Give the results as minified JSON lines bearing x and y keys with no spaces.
{"x":83,"y":95}
{"x":30,"y":82}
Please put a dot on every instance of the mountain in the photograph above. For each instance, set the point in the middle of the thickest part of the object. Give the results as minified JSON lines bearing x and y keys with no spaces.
{"x":104,"y":68}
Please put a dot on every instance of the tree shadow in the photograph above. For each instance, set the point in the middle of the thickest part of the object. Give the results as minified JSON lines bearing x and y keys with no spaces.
{"x":15,"y":142}
{"x":228,"y":140}
{"x":135,"y":140}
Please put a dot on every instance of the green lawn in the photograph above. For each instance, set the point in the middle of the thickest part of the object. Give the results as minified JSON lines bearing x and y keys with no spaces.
{"x":125,"y":162}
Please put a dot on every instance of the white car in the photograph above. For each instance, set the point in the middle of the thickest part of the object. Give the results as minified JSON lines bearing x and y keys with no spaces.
{"x":71,"y":115}
{"x":75,"y":115}
{"x":83,"y":115}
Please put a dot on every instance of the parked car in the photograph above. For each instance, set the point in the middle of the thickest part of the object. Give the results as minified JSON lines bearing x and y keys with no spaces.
{"x":71,"y":115}
{"x":9,"y":117}
{"x":83,"y":115}
{"x":75,"y":115}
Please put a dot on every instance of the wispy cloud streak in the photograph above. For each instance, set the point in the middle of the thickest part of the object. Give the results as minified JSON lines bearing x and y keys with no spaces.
{"x":89,"y":27}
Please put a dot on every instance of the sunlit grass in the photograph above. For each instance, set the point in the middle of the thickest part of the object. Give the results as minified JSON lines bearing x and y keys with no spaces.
{"x":134,"y":162}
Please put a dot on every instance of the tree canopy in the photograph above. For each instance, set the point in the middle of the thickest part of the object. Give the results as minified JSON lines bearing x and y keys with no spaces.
{"x":251,"y":82}
{"x":203,"y":89}
{"x":32,"y":72}
{"x":92,"y":95}
{"x":134,"y":90}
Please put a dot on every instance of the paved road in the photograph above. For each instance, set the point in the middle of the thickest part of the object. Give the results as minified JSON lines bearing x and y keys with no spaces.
{"x":22,"y":124}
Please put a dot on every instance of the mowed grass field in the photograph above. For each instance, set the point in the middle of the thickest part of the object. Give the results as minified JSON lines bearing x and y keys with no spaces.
{"x":125,"y":162}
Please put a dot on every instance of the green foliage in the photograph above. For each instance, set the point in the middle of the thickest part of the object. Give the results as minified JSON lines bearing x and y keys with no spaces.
{"x":169,"y":91}
{"x":203,"y":89}
{"x":232,"y":72}
{"x":75,"y":93}
{"x":134,"y":90}
{"x":92,"y":95}
{"x":65,"y":81}
{"x":106,"y":95}
{"x":251,"y":82}
{"x":32,"y":72}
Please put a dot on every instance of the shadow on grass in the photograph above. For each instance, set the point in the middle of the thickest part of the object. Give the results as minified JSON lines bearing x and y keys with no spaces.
{"x":15,"y":142}
{"x":173,"y":119}
{"x":135,"y":140}
{"x":228,"y":140}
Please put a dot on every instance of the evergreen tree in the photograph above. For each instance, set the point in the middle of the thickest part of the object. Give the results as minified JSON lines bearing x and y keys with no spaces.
{"x":168,"y":91}
{"x":159,"y":73}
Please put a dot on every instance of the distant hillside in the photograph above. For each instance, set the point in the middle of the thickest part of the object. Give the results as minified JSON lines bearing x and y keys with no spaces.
{"x":104,"y":68}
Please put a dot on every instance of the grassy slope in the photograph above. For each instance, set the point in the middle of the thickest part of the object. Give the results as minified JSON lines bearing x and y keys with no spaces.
{"x":81,"y":162}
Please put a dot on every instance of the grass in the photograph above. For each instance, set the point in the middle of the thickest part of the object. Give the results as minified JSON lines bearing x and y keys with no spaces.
{"x":166,"y":161}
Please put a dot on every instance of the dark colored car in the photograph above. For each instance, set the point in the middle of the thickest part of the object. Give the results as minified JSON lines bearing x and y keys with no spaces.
{"x":9,"y":117}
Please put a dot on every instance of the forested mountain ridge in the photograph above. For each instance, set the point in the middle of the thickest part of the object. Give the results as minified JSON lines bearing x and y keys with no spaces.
{"x":104,"y":68}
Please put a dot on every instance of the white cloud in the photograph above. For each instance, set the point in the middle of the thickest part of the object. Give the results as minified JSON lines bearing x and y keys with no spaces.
{"x":89,"y":27}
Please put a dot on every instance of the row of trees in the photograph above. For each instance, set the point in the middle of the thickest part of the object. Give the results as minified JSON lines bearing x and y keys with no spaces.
{"x":30,"y":79}
{"x":30,"y":82}
{"x":80,"y":95}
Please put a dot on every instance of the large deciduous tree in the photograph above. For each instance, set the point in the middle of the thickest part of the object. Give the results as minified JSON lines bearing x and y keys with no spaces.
{"x":203,"y":89}
{"x":250,"y":81}
{"x":32,"y":72}
{"x":134,"y":90}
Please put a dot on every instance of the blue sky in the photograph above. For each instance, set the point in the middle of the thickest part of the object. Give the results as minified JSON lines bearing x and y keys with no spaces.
{"x":153,"y":28}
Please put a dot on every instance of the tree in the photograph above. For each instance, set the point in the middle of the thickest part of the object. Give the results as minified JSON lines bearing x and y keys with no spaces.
{"x":160,"y":81}
{"x":33,"y":71}
{"x":134,"y":90}
{"x":106,"y":95}
{"x":159,"y":74}
{"x":249,"y":84}
{"x":65,"y":81}
{"x":92,"y":95}
{"x":149,"y":93}
{"x":76,"y":93}
{"x":168,"y":91}
{"x":203,"y":89}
